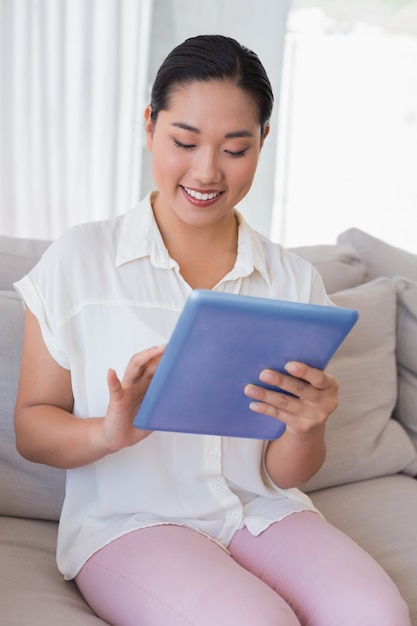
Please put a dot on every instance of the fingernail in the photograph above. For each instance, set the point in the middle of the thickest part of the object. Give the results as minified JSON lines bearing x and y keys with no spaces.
{"x":251,"y":390}
{"x":292,"y":367}
{"x":267,"y":376}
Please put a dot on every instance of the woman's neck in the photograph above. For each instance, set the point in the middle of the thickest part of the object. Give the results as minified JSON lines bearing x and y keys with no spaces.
{"x":205,"y":254}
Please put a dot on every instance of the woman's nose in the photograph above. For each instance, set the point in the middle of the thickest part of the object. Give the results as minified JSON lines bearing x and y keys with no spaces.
{"x":206,"y":166}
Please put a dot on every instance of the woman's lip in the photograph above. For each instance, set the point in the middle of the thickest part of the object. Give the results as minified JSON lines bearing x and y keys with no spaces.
{"x":200,"y":198}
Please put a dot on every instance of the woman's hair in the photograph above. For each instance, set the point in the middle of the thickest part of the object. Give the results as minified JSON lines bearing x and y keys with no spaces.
{"x":208,"y":58}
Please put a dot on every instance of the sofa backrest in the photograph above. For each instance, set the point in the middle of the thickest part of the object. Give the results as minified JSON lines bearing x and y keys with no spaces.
{"x":26,"y":489}
{"x":363,"y":439}
{"x":17,"y":257}
{"x":376,"y":366}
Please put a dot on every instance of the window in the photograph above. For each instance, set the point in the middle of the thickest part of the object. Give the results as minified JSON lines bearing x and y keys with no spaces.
{"x":347,"y":136}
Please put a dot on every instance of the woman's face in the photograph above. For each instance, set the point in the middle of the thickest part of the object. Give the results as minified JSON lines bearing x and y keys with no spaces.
{"x":205,"y":150}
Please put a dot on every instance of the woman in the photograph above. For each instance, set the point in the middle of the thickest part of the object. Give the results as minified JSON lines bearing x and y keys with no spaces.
{"x":167,"y":528}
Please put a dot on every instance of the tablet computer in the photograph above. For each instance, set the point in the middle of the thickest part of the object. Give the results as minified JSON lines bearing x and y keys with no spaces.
{"x":222,"y":342}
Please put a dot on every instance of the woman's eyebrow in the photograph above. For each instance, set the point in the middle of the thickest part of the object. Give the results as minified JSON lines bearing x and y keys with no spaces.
{"x":231,"y":135}
{"x":185,"y":126}
{"x":238,"y":133}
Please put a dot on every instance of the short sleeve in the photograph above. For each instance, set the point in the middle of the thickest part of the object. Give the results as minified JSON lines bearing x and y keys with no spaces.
{"x":39,"y":291}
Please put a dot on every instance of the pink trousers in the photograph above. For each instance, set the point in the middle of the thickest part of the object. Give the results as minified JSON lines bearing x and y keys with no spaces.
{"x":300,"y":570}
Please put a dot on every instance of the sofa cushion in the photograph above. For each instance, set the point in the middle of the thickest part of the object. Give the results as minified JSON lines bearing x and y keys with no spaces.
{"x":380,"y":515}
{"x":40,"y":489}
{"x":32,"y":591}
{"x":380,"y":258}
{"x":340,"y":266}
{"x":17,"y":257}
{"x":362,"y":440}
{"x":406,"y":409}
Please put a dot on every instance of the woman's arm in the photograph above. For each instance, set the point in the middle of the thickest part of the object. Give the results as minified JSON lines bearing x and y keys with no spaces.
{"x":47,"y":431}
{"x":295,"y":457}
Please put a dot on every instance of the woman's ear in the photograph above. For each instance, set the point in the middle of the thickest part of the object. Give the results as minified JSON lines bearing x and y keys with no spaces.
{"x":265,"y":133}
{"x":149,"y":126}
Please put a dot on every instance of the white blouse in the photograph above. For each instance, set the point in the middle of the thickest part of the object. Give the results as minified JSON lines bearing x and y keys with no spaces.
{"x":106,"y":290}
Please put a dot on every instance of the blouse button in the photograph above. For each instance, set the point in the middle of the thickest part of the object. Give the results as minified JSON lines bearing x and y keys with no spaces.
{"x":236,"y":515}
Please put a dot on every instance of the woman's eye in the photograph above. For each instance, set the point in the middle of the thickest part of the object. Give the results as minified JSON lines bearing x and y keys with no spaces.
{"x":184,"y":146}
{"x":241,"y":153}
{"x":190,"y":146}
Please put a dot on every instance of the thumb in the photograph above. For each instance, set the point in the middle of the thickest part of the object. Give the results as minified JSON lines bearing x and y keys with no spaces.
{"x":113,"y":383}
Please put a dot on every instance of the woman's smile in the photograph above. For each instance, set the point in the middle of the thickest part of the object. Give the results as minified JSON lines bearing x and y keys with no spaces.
{"x":200,"y":198}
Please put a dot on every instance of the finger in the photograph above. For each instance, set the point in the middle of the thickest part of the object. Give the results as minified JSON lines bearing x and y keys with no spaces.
{"x":315,"y":386}
{"x":118,"y":398}
{"x":268,"y":402}
{"x":301,"y":397}
{"x":113,"y":382}
{"x":297,"y":414}
{"x":315,"y":377}
{"x":143,"y":364}
{"x":302,"y":381}
{"x":286,"y":382}
{"x":112,"y":379}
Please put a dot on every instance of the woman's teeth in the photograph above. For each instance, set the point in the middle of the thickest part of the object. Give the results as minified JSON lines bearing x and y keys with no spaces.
{"x":201,"y":196}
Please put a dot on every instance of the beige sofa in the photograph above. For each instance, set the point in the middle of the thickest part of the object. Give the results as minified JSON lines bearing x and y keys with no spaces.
{"x":366,"y":487}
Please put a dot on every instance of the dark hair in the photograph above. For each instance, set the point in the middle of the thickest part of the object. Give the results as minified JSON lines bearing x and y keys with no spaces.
{"x":213,"y":57}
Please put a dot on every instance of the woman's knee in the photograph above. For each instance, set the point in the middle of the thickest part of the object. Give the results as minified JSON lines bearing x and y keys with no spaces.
{"x":360,"y":609}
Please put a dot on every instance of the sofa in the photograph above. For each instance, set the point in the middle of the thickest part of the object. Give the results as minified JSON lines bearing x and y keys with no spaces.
{"x":366,"y":487}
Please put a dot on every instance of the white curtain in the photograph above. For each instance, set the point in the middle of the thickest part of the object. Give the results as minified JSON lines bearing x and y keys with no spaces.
{"x":73,"y":81}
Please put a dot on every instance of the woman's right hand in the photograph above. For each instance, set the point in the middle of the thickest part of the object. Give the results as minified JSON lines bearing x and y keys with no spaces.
{"x":126,"y":396}
{"x":46,"y":429}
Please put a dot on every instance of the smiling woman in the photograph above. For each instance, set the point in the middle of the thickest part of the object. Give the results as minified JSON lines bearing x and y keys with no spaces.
{"x":153,"y":520}
{"x":207,"y":162}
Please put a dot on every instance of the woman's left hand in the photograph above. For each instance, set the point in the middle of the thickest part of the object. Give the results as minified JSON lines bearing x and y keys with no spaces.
{"x":298,"y":454}
{"x":314,"y":396}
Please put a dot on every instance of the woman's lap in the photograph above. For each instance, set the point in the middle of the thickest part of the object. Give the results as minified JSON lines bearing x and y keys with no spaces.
{"x":174,"y":575}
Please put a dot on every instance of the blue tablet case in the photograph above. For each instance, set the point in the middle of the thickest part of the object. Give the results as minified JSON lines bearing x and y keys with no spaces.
{"x":223,"y":341}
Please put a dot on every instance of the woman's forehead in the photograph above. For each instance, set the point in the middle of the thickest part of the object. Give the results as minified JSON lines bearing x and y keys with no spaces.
{"x":222,"y":101}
